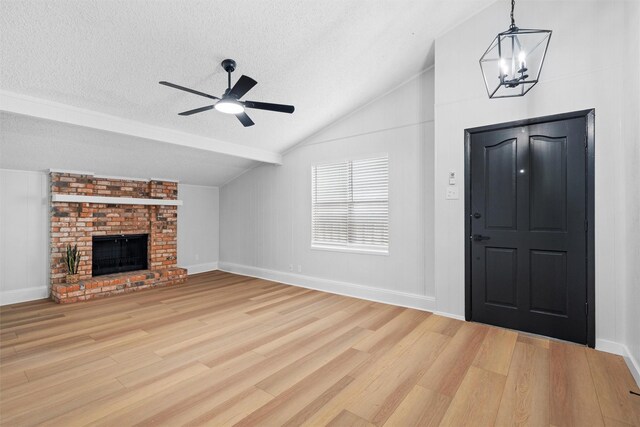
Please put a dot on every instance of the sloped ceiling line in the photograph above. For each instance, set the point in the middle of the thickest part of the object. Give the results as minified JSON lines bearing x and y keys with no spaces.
{"x":35,"y":107}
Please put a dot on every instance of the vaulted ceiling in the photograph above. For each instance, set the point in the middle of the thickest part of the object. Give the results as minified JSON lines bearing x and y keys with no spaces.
{"x":96,"y":64}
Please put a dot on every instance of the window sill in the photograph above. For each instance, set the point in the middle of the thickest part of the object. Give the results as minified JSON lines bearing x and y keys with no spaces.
{"x":352,"y":250}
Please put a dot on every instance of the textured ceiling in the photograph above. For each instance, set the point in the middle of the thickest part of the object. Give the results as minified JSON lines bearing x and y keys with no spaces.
{"x":28,"y":143}
{"x":325,"y":57}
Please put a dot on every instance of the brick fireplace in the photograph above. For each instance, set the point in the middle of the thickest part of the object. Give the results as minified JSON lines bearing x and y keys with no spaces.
{"x":85,"y":206}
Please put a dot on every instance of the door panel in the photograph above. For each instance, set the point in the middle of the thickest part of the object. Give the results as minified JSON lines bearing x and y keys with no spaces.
{"x":528,"y":210}
{"x":501,"y":276}
{"x":548,"y":178}
{"x":548,"y":284}
{"x":500,"y":194}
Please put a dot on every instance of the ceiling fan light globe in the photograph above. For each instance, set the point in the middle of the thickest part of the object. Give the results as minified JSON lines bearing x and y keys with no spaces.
{"x":229,"y":107}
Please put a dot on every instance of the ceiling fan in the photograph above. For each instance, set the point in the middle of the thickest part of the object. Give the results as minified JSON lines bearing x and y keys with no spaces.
{"x":230,"y":102}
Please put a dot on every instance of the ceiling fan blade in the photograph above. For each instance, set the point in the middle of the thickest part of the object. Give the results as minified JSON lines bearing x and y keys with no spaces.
{"x":244,"y":119}
{"x":186,"y":89}
{"x":242,"y":86}
{"x":197,"y":110}
{"x":270,"y":107}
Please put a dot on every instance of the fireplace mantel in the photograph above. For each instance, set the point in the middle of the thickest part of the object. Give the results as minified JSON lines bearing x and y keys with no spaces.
{"x":74,"y":198}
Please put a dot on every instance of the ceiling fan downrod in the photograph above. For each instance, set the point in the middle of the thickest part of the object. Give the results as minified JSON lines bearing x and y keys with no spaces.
{"x":229,"y":65}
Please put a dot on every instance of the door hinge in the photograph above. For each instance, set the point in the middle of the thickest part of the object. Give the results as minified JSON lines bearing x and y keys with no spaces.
{"x":586,"y":225}
{"x":586,"y":308}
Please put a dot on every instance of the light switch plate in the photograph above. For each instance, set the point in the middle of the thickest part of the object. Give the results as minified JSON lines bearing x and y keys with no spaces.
{"x":452,"y":193}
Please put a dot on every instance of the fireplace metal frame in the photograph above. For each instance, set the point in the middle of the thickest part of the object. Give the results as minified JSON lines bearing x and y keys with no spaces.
{"x":124,"y":258}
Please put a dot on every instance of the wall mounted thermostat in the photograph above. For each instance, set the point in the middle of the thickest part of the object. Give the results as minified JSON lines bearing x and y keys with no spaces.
{"x":452,"y":178}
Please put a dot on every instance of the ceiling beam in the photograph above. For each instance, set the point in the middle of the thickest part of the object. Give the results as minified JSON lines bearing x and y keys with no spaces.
{"x":36,"y":107}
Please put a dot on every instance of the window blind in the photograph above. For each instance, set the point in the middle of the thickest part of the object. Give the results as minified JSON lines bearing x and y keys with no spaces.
{"x":350,"y":204}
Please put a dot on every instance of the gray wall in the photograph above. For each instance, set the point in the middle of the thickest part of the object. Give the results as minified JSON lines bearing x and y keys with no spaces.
{"x":198,"y":228}
{"x":266,"y":213}
{"x":24,"y":236}
{"x":631,"y":147}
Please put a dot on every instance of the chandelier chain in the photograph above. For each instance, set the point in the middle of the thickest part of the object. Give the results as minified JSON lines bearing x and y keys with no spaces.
{"x":513,"y":21}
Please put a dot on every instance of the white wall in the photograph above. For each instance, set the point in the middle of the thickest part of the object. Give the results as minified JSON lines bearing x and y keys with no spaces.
{"x":24,"y":233}
{"x":631,"y":146}
{"x":198,"y":228}
{"x":585,"y":66}
{"x":24,"y":236}
{"x":266,"y":213}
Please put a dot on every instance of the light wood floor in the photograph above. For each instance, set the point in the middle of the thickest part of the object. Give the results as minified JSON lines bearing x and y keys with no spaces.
{"x":230,"y":350}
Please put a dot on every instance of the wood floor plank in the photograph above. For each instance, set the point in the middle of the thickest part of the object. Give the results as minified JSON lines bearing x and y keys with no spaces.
{"x":325,"y":325}
{"x":393,"y":331}
{"x":443,"y":325}
{"x":29,"y":411}
{"x":291,"y":374}
{"x":573,"y":395}
{"x":318,"y":403}
{"x":180,"y":399}
{"x":346,"y":418}
{"x":613,"y":381}
{"x":496,"y":350}
{"x":225,"y":349}
{"x":236,"y":349}
{"x":12,"y":380}
{"x":477,"y":401}
{"x":279,"y":410}
{"x":447,"y":372}
{"x":115,"y":401}
{"x":316,"y":336}
{"x":533,"y":340}
{"x":380,"y":398}
{"x":610,"y":422}
{"x":384,"y":314}
{"x":81,"y":355}
{"x":421,"y":407}
{"x":233,"y":410}
{"x":97,"y":371}
{"x":370,"y":372}
{"x":525,"y":400}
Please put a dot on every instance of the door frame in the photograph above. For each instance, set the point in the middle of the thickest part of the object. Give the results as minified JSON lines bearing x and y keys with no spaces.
{"x":589,"y":116}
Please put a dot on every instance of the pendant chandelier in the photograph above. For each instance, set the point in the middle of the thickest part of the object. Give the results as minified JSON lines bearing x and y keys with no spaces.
{"x":511,"y":65}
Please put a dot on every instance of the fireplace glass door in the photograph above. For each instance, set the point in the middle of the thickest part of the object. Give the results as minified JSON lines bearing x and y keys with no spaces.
{"x":117,"y":254}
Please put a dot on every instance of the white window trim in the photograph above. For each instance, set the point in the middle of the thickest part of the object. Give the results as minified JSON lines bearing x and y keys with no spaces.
{"x":351,"y":248}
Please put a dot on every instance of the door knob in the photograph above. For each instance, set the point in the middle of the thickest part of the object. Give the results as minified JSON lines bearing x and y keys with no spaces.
{"x":477,"y":215}
{"x":479,"y":237}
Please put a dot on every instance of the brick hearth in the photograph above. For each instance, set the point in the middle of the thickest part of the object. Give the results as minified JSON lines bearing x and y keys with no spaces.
{"x":77,"y":223}
{"x":114,"y":284}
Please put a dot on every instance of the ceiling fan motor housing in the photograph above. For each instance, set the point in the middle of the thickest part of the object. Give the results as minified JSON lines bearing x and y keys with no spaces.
{"x":229,"y":65}
{"x":230,"y":102}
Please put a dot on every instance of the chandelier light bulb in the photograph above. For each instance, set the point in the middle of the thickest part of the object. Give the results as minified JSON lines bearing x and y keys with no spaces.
{"x":503,"y":66}
{"x":522,"y":56}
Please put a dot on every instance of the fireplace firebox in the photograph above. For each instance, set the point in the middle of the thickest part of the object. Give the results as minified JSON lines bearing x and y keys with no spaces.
{"x":117,"y":254}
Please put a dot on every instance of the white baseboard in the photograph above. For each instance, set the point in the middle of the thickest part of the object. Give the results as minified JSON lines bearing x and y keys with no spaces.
{"x":611,"y":347}
{"x":621,"y":350}
{"x":386,"y":296}
{"x":634,"y":367}
{"x":201,"y":268}
{"x":452,"y":316}
{"x":23,"y":295}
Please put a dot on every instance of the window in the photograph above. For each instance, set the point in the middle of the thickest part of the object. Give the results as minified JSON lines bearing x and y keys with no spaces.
{"x":350,"y":205}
